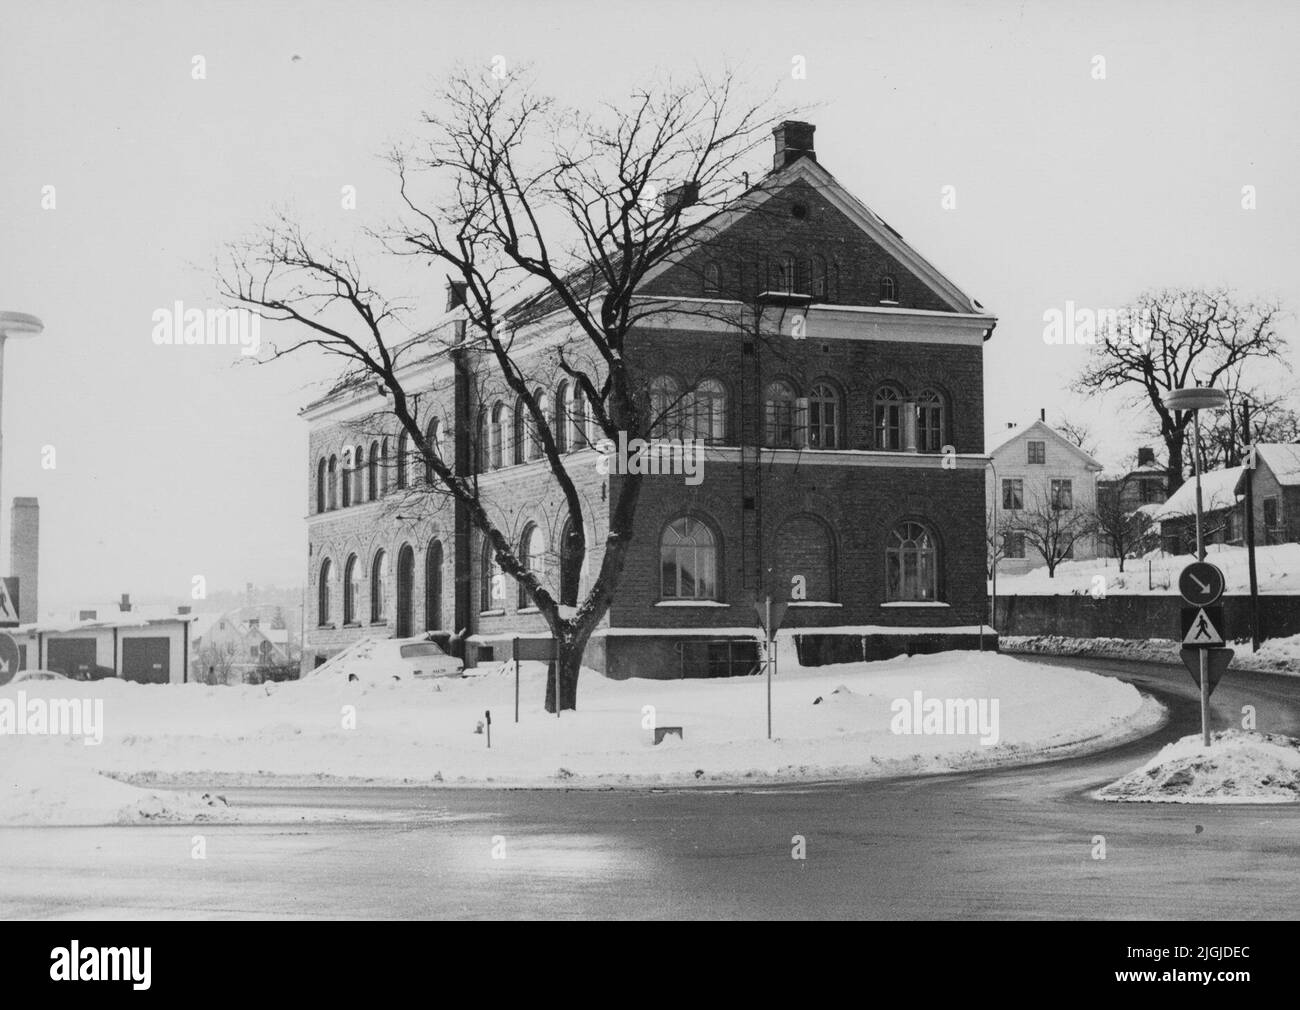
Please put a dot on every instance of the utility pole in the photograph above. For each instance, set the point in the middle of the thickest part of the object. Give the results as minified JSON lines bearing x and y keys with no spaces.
{"x":1248,"y":472}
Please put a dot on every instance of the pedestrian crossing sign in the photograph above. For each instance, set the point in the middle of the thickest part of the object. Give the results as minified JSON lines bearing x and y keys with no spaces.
{"x":1202,"y":627}
{"x":8,"y":602}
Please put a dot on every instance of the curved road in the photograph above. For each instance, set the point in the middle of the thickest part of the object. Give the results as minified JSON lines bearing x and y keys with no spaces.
{"x":1015,"y":843}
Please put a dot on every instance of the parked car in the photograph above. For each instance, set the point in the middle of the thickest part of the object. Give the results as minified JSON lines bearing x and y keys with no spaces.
{"x":426,"y":659}
{"x":22,"y":676}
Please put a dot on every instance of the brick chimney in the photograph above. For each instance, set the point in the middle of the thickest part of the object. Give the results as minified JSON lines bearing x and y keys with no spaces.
{"x":794,"y":140}
{"x":681,"y":196}
{"x":125,"y":605}
{"x":455,"y":293}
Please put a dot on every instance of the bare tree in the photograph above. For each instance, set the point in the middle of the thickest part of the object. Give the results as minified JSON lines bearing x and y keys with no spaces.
{"x":1050,"y":525}
{"x":216,"y":662}
{"x":1125,"y":531}
{"x":1174,"y":338}
{"x":1078,"y":433}
{"x":1223,"y":442}
{"x":545,"y":216}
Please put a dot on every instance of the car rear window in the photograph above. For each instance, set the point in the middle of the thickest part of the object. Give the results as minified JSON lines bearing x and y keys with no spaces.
{"x":420,"y":649}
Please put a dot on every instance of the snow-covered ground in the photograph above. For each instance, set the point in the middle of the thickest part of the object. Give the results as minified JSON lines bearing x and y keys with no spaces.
{"x":1277,"y":571}
{"x":840,"y":721}
{"x":1276,"y":655}
{"x":1239,"y":767}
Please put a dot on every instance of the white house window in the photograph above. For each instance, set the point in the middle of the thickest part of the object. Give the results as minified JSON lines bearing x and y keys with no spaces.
{"x":1037,"y":452}
{"x":911,"y":565}
{"x":1013,"y":545}
{"x":688,"y":561}
{"x":1062,"y":494}
{"x":1013,"y":494}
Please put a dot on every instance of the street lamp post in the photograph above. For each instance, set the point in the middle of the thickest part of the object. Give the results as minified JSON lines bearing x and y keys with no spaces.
{"x":993,"y":554}
{"x":1196,"y":399}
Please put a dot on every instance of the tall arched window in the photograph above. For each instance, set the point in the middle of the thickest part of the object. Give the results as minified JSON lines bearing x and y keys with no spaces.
{"x":535,"y":450}
{"x":563,"y":410}
{"x":492,"y":581}
{"x":482,"y":451}
{"x":911,"y":564}
{"x":778,"y":414}
{"x":580,"y":424}
{"x":334,"y":482}
{"x":888,"y":289}
{"x":403,"y":456}
{"x":496,"y":434}
{"x":379,"y":588}
{"x":433,"y":438}
{"x":823,"y":417}
{"x":712,"y":279}
{"x":710,"y":412}
{"x":358,"y":475}
{"x":665,"y":407}
{"x":519,"y":433}
{"x":889,"y":419}
{"x":532,"y":555}
{"x":405,"y":592}
{"x":373,"y":470}
{"x":688,"y":561}
{"x":321,"y":496}
{"x":817,"y":272}
{"x":383,"y":467}
{"x":433,"y":586}
{"x":351,"y":589}
{"x":347,"y":477}
{"x":785,"y":273}
{"x":929,"y":421}
{"x":323,"y":594}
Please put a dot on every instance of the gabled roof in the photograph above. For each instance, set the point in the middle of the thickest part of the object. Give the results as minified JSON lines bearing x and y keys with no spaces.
{"x":1282,"y":459}
{"x":1043,"y":430}
{"x":1218,"y":491}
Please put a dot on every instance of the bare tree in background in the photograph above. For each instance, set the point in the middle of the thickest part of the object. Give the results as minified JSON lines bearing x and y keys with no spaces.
{"x":1125,"y":531}
{"x":514,"y":193}
{"x":1078,"y":433}
{"x":1181,"y":338}
{"x":1051,"y":526}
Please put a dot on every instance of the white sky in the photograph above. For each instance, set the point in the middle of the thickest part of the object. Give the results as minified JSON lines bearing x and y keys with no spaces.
{"x":172,"y":463}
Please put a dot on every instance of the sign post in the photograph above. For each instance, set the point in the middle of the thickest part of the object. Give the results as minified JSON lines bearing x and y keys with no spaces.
{"x":770,"y":616}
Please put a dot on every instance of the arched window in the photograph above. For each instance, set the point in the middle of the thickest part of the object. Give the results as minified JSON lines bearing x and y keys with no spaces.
{"x":535,"y":448}
{"x":323,"y":594}
{"x":321,"y":496}
{"x":373,"y":470}
{"x":563,"y":410}
{"x":710,"y":414}
{"x":383,"y":468}
{"x":911,"y":564}
{"x":379,"y":588}
{"x":888,"y":289}
{"x":805,"y":557}
{"x":817,"y":273}
{"x":889,"y":419}
{"x":347,"y":477}
{"x":580,"y":423}
{"x":785,"y":273}
{"x":518,"y":441}
{"x":665,"y":407}
{"x":351,"y":589}
{"x":358,"y":475}
{"x":778,"y":414}
{"x":532,"y":556}
{"x":929,"y":421}
{"x":492,"y":580}
{"x":570,"y":564}
{"x":433,"y":437}
{"x":482,"y":450}
{"x":823,"y":417}
{"x":334,"y":482}
{"x":403,"y":455}
{"x":405,"y":591}
{"x":496,"y":433}
{"x":433,"y":586}
{"x":688,"y":561}
{"x":712,"y":279}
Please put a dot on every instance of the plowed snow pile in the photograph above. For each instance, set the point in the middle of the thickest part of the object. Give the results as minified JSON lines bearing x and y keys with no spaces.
{"x":1239,"y":767}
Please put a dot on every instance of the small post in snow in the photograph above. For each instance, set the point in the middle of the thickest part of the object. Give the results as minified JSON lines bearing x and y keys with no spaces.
{"x":487,"y":718}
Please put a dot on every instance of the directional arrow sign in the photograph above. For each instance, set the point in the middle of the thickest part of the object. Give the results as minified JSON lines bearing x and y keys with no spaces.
{"x":1201,"y":584}
{"x":1202,"y":627}
{"x":8,"y":658}
{"x":1216,"y":662}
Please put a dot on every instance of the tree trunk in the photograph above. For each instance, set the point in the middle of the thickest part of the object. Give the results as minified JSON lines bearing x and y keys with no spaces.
{"x":1174,"y":471}
{"x":570,"y":665}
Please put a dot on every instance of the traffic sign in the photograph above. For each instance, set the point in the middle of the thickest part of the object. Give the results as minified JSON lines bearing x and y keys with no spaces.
{"x":8,"y":658}
{"x":1201,"y":584}
{"x":1216,"y":664}
{"x":8,"y":603}
{"x":778,"y":613}
{"x":1202,"y":627}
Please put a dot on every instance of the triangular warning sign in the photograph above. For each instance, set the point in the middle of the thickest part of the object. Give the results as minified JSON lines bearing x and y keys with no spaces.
{"x":1202,"y":631}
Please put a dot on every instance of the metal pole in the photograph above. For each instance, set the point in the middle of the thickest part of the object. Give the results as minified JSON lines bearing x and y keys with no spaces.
{"x":1203,"y":657}
{"x":1249,"y":474}
{"x":768,"y":635}
{"x":515,"y":651}
{"x":993,"y":601}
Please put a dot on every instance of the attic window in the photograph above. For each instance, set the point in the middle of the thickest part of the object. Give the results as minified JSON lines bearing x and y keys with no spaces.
{"x":799,"y":211}
{"x":1037,"y":452}
{"x":888,"y":289}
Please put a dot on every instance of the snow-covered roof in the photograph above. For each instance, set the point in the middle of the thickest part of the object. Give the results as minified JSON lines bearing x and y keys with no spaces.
{"x":1283,"y":460}
{"x":1218,"y":491}
{"x":1006,"y":436}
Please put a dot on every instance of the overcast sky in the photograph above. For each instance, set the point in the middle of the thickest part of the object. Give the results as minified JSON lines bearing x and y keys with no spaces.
{"x":172,"y":461}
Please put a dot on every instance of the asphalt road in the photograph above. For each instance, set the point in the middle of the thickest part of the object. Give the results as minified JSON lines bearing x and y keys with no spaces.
{"x":1016,"y":843}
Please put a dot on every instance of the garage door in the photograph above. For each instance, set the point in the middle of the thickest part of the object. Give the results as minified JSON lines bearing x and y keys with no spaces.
{"x":146,"y":660}
{"x":74,"y":657}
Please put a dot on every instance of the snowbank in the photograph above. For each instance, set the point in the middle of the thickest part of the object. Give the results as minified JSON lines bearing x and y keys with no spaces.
{"x":1239,"y":767}
{"x":1277,"y":655}
{"x":1277,"y":571}
{"x":424,"y":731}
